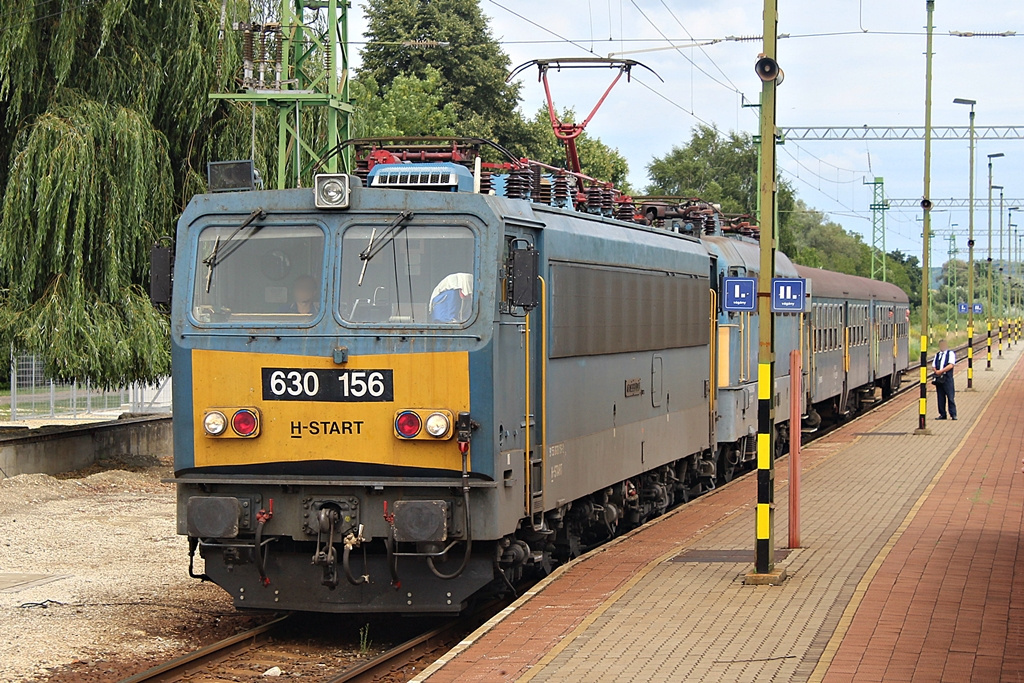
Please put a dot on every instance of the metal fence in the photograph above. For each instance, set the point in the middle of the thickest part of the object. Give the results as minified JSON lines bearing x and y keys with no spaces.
{"x":33,"y":395}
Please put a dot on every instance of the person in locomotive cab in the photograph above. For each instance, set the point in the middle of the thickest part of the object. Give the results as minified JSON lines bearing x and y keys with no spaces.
{"x":451,"y":300}
{"x":944,"y":362}
{"x":305,"y":296}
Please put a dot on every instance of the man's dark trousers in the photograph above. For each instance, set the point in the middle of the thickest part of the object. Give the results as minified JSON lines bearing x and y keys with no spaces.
{"x":945,"y":390}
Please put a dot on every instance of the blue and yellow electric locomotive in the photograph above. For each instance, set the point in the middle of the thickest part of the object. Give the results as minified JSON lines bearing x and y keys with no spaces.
{"x":387,"y":398}
{"x":392,"y":393}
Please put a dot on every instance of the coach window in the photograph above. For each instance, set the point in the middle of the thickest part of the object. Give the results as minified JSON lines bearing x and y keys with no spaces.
{"x":422,"y":275}
{"x":831,"y":327}
{"x":818,"y":328}
{"x":271,"y":273}
{"x":824,"y":327}
{"x":823,"y":311}
{"x":836,"y":327}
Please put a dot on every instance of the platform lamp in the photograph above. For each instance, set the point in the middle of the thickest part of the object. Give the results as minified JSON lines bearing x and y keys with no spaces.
{"x":970,"y":254}
{"x":1008,"y":280}
{"x":988,"y":338}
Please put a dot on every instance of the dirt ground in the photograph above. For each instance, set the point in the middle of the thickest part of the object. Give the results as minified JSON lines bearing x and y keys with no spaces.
{"x":121,"y":599}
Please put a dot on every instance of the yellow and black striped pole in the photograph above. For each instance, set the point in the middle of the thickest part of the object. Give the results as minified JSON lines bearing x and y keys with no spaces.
{"x":926,"y":205}
{"x":970,"y":355}
{"x":988,"y":347}
{"x":768,"y":71}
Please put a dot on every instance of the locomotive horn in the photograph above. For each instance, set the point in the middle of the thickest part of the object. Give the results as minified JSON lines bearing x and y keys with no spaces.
{"x":767,"y":69}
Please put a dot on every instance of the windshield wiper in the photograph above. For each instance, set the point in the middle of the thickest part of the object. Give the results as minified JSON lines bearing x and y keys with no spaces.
{"x":389,"y":233}
{"x":216,"y":257}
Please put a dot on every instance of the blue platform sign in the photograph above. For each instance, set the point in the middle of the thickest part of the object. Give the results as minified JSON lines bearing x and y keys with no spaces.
{"x":740,"y":294}
{"x":979,"y":308}
{"x":962,"y":308}
{"x":788,"y":295}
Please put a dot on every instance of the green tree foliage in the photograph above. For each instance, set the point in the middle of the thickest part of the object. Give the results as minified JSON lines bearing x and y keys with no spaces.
{"x":471,"y":63}
{"x":719,"y":168}
{"x":821,"y":243}
{"x":408,"y":105}
{"x":104,"y":118}
{"x":904,"y":271}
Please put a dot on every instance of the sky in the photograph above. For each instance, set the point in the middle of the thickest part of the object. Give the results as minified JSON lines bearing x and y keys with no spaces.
{"x":846,"y":63}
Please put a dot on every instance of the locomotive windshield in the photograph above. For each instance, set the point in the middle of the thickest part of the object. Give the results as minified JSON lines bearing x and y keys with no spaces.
{"x":271,"y":274}
{"x":424,"y":275}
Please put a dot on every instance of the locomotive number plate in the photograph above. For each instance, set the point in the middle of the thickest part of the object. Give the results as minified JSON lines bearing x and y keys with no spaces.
{"x":300,"y":384}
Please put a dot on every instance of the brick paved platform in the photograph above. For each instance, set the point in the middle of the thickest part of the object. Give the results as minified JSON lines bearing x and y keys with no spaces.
{"x":907,"y":571}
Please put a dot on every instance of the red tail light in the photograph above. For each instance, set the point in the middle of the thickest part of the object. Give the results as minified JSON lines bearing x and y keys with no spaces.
{"x":408,"y":424}
{"x":244,"y":422}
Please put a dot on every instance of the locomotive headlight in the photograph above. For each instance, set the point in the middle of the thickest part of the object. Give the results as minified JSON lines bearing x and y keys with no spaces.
{"x":215,"y":423}
{"x":331,"y":190}
{"x":437,"y":424}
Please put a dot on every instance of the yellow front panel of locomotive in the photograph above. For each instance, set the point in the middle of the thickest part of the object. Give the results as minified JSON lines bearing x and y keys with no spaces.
{"x":295,"y":429}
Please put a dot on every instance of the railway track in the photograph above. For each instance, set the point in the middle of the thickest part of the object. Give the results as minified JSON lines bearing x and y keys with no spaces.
{"x":400,"y":663}
{"x":248,"y":655}
{"x":209,"y":656}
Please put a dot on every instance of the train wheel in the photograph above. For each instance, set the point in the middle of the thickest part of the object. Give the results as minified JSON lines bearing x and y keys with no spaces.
{"x":728,"y":463}
{"x":781,"y":440}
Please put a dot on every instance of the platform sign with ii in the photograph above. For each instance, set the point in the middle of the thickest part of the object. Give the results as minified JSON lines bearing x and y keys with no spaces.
{"x":789,"y":295}
{"x":740,"y":294}
{"x":978,"y":308}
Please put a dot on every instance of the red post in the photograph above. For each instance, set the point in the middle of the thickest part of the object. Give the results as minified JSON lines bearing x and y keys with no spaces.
{"x":795,"y":396}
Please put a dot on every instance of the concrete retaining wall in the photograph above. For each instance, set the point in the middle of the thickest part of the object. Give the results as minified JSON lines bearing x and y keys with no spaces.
{"x":51,"y":451}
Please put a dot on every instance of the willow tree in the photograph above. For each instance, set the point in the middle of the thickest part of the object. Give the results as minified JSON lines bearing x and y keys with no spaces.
{"x":105,"y":129}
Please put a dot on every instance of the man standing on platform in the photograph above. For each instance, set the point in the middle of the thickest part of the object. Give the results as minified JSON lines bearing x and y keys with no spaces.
{"x":945,"y":361}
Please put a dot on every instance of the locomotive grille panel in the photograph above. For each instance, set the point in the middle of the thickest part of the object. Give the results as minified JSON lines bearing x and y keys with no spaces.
{"x":602,"y":310}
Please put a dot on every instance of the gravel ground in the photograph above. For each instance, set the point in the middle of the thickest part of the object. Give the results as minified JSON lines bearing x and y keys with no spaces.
{"x":124,"y":600}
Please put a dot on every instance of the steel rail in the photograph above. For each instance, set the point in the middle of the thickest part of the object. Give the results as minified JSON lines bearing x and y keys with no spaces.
{"x":177,"y":668}
{"x":443,"y":638}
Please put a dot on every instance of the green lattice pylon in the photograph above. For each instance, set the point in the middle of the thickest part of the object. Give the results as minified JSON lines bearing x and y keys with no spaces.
{"x":879,"y":205}
{"x":297,"y":63}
